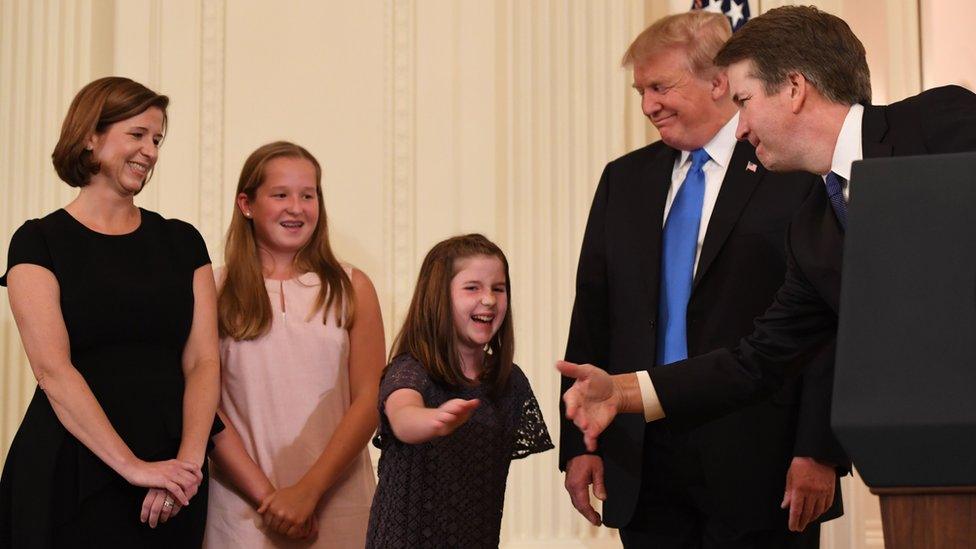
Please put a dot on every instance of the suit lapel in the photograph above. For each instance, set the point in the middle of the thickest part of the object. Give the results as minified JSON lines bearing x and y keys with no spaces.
{"x":737,"y":187}
{"x":654,"y":184}
{"x":874,"y":128}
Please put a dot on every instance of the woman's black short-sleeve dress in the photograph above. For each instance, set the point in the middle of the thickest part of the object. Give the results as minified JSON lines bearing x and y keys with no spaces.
{"x":127,"y":302}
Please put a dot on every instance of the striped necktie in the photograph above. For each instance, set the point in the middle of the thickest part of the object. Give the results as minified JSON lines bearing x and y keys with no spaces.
{"x":835,"y":193}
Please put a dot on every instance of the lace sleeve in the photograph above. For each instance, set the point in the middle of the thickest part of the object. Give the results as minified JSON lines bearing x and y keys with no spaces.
{"x":403,"y":373}
{"x":531,"y":436}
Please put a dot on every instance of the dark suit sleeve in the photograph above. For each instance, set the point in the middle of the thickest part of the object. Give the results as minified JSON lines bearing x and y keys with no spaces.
{"x":814,"y":437}
{"x":948,"y":120}
{"x":788,"y":335}
{"x":589,"y":328}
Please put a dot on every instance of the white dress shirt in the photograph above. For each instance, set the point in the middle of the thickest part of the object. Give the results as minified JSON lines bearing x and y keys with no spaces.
{"x":848,"y":147}
{"x":719,"y":150}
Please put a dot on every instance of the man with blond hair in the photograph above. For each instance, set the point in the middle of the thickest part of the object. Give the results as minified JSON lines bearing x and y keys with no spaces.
{"x":683,"y":248}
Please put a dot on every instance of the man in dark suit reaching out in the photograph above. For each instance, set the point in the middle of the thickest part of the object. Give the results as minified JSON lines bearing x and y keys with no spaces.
{"x":801,"y":81}
{"x":683,"y":249}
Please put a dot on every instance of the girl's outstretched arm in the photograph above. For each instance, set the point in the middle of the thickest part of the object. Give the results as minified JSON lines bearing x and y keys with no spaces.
{"x":414,"y":423}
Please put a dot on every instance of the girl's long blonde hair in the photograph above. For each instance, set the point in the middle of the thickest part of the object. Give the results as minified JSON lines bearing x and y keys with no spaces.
{"x":243,"y":306}
{"x":428,"y":333}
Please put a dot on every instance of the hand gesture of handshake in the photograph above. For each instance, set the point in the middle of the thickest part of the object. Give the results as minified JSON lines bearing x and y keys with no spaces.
{"x":594,"y":399}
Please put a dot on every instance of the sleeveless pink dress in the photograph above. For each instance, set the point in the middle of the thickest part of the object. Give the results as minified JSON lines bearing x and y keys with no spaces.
{"x":286,"y":392}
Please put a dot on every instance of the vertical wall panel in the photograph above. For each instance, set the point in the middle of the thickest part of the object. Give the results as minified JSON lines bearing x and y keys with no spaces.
{"x":402,"y":261}
{"x":45,"y":49}
{"x":214,"y":212}
{"x":564,"y":112}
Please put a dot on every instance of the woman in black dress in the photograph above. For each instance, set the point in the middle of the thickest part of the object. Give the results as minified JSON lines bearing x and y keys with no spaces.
{"x":116,"y":309}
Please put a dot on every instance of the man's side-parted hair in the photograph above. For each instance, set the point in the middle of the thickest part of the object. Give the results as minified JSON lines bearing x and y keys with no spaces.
{"x":97,"y":106}
{"x":818,"y":45}
{"x":699,"y":33}
{"x":428,"y":333}
{"x":243,"y":306}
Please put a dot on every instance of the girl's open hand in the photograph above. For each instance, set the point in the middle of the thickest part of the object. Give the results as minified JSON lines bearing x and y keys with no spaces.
{"x":452,"y":414}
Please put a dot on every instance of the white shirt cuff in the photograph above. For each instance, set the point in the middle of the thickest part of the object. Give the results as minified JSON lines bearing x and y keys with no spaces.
{"x":652,"y":405}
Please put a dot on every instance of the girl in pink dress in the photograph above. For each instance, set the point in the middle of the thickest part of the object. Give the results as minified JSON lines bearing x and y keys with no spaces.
{"x":302,"y":348}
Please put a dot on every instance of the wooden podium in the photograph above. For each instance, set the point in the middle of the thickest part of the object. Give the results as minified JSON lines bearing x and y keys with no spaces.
{"x":915,"y":518}
{"x":904,"y":402}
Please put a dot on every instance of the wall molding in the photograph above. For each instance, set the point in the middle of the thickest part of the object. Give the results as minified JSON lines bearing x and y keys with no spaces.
{"x":401,"y":157}
{"x":212,"y":30}
{"x":904,"y":49}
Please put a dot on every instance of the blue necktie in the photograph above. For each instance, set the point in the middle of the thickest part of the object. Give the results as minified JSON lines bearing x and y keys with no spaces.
{"x":835,"y":193}
{"x":679,"y":243}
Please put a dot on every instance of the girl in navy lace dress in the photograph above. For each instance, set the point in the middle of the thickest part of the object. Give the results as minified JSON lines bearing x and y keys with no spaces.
{"x":454,"y":410}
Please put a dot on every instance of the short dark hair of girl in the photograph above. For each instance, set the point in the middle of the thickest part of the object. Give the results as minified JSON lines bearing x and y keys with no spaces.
{"x":97,"y":106}
{"x":428,"y":333}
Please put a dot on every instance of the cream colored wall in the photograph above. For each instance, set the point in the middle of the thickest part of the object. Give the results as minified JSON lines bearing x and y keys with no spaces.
{"x":430,"y":118}
{"x":948,"y":52}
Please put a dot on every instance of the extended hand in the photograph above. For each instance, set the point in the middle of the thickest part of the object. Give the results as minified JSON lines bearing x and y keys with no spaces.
{"x":288,"y":510}
{"x":179,"y":478}
{"x":581,"y":472}
{"x":452,"y":414}
{"x":593,"y":400}
{"x":809,"y":491}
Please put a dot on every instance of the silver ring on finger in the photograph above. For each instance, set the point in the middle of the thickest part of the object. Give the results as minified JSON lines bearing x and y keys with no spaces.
{"x":168,"y":503}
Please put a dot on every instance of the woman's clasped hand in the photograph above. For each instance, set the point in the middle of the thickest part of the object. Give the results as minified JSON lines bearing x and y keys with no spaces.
{"x":172,"y":483}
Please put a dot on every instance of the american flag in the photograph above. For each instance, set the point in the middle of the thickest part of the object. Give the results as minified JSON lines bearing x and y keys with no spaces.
{"x":736,"y":10}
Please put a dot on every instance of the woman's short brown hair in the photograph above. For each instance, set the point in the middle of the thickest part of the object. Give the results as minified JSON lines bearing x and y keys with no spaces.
{"x":97,"y":106}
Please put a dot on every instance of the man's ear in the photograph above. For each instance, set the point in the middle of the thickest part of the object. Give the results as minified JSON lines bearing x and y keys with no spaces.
{"x":720,"y":84}
{"x":799,"y":90}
